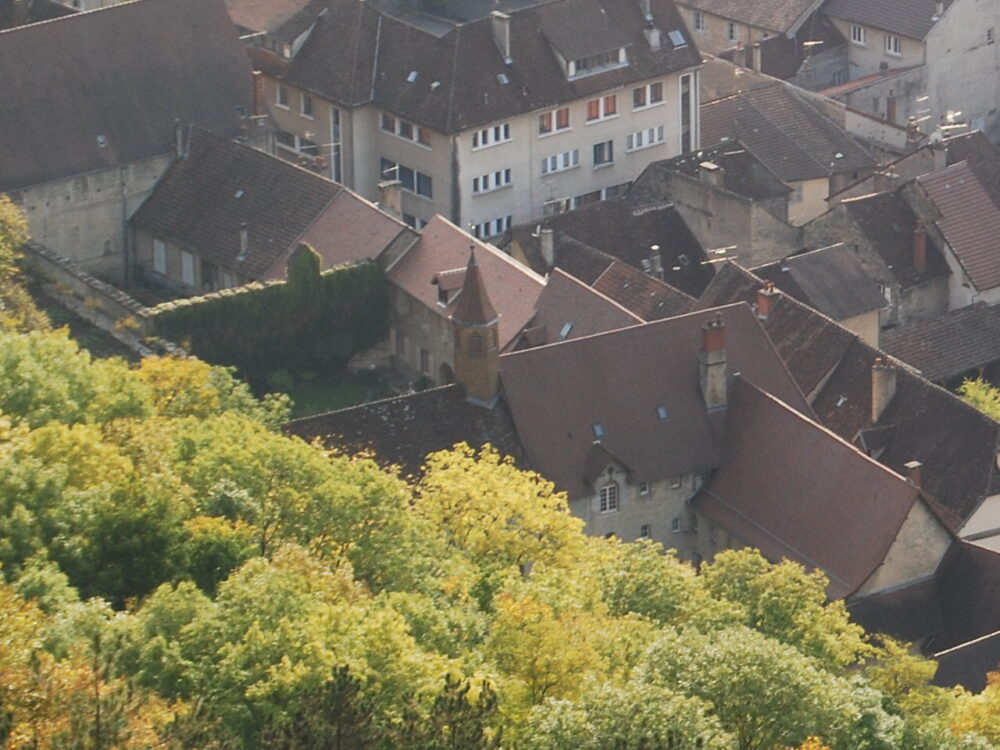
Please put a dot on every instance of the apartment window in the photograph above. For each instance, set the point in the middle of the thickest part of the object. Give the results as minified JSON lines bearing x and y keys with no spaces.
{"x":893,"y":45}
{"x":404,"y":129}
{"x":410,"y":179}
{"x":676,"y":483}
{"x":644,"y":96}
{"x":306,"y":105}
{"x":591,"y":64}
{"x":554,"y":121}
{"x":281,"y":96}
{"x":561,"y":162}
{"x":493,"y":181}
{"x":644,"y":138}
{"x":187,"y":268}
{"x":699,"y":21}
{"x":858,"y":35}
{"x":603,"y":153}
{"x":731,"y":31}
{"x":605,"y":106}
{"x":417,"y":223}
{"x":159,"y":257}
{"x":491,"y":136}
{"x":607,"y":498}
{"x":688,"y":112}
{"x":491,"y":228}
{"x":644,"y":531}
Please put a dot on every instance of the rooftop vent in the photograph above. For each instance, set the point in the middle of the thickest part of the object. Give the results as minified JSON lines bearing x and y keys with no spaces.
{"x":102,"y":141}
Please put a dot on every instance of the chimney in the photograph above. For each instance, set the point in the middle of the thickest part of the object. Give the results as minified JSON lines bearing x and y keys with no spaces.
{"x":767,"y":296}
{"x":655,"y":262}
{"x":890,"y":107}
{"x":244,"y":241}
{"x":912,"y":131}
{"x":647,"y":12}
{"x":883,"y":387}
{"x":756,"y":57}
{"x":390,"y":197}
{"x":652,"y":37}
{"x":913,"y":473}
{"x":938,"y":9}
{"x":259,"y":99}
{"x":711,"y":173}
{"x":712,"y":362}
{"x":178,"y":139}
{"x":547,"y":244}
{"x":501,"y":34}
{"x":920,"y":248}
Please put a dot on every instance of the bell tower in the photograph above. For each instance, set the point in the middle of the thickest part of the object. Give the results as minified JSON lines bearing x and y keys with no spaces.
{"x":475,"y":327}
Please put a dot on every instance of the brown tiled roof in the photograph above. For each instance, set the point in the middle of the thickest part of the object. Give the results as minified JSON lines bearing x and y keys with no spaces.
{"x":888,"y":220}
{"x":568,"y":308}
{"x":773,"y":15}
{"x":401,"y":431}
{"x":910,"y":18}
{"x":647,"y":297}
{"x":205,"y":197}
{"x":624,"y":230}
{"x":556,"y":394}
{"x":793,"y":138}
{"x":472,"y":305}
{"x":119,"y":76}
{"x":512,"y":288}
{"x":792,"y":489}
{"x":830,"y":280}
{"x":356,"y":55}
{"x":969,"y":220}
{"x":947,"y":346}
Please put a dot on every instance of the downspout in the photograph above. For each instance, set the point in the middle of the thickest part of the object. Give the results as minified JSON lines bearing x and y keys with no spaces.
{"x":456,"y":193}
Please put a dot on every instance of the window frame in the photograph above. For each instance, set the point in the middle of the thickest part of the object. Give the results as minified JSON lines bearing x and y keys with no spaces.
{"x":606,"y":151}
{"x":303,"y":99}
{"x":564,"y":161}
{"x":645,"y":138}
{"x":732,"y":34}
{"x":604,"y":108}
{"x":160,"y":256}
{"x":893,"y":45}
{"x":551,"y":122}
{"x":494,"y":135}
{"x":698,"y":21}
{"x":281,"y":96}
{"x":492,"y":181}
{"x":859,"y":35}
{"x":608,"y":499}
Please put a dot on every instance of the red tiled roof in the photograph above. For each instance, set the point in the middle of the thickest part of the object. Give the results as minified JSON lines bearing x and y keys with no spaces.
{"x":970,"y":221}
{"x":647,"y":297}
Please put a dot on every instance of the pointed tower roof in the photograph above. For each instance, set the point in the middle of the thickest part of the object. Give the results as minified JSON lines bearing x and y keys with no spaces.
{"x":473,"y":306}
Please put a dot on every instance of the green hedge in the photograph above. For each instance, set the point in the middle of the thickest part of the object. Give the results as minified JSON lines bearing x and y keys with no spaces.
{"x":312,"y":323}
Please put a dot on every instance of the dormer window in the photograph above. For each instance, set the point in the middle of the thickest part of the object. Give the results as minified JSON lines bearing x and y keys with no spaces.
{"x":591,"y":64}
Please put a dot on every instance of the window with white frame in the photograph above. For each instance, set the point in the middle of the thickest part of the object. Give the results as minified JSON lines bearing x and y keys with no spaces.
{"x":554,"y":121}
{"x":492,"y":227}
{"x":404,"y":129}
{"x":159,"y":257}
{"x":491,"y":136}
{"x":306,"y":105}
{"x":187,"y":268}
{"x":644,"y":138}
{"x":647,"y":95}
{"x":602,"y":108}
{"x":492,"y":181}
{"x":699,"y":21}
{"x":410,"y":179}
{"x":731,"y":31}
{"x":645,"y":531}
{"x":893,"y":45}
{"x":607,"y":498}
{"x":604,"y":153}
{"x":281,"y":96}
{"x":858,"y":35}
{"x":585,"y":66}
{"x":296,"y":144}
{"x":561,"y":162}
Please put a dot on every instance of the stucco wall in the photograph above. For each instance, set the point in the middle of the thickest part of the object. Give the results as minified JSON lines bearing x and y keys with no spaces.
{"x":868,"y":58}
{"x":915,"y":553}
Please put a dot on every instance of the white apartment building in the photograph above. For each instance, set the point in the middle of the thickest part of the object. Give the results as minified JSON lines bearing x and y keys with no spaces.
{"x":500,"y":113}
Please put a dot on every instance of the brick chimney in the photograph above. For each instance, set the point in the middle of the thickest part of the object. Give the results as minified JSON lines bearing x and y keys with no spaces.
{"x":390,"y":197}
{"x":712,"y":362}
{"x":920,"y":248}
{"x":767,"y":296}
{"x":883,"y":387}
{"x":914,"y":473}
{"x":259,"y":99}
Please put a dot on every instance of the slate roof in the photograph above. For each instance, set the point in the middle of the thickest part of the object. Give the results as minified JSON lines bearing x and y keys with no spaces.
{"x":204,"y":198}
{"x":774,"y":15}
{"x":557,"y":393}
{"x":787,"y":133}
{"x":401,"y":431}
{"x":830,"y":280}
{"x":122,"y":73}
{"x":909,"y":18}
{"x":356,"y":54}
{"x":888,"y":221}
{"x":949,"y":345}
{"x":969,"y":220}
{"x":794,"y":490}
{"x":512,"y":288}
{"x":624,"y":230}
{"x":647,"y":297}
{"x":568,"y":308}
{"x":264,"y":15}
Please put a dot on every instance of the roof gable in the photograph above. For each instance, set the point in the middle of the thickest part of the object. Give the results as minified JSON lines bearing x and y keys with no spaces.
{"x":782,"y":16}
{"x":910,"y":18}
{"x":111,"y":83}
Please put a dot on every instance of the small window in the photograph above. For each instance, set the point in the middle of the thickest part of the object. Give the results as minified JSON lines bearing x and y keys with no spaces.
{"x":306,"y":107}
{"x":699,"y":21}
{"x":676,"y":38}
{"x":607,"y":498}
{"x":990,"y":36}
{"x":159,"y":257}
{"x":565,"y":330}
{"x":603,"y":153}
{"x":858,"y":35}
{"x":675,"y":526}
{"x":187,"y":268}
{"x":731,"y":31}
{"x":643,"y":488}
{"x":644,"y":531}
{"x":281,"y":96}
{"x":893,"y":45}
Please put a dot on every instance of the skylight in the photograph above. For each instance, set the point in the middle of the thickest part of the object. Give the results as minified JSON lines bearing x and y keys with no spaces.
{"x":677,"y":38}
{"x":412,"y":77}
{"x":566,"y":329}
{"x":661,"y":412}
{"x":598,"y":430}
